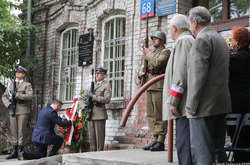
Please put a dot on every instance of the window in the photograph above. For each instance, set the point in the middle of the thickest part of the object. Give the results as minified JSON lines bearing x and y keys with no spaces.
{"x":215,"y":8}
{"x":68,"y":64}
{"x":227,"y":13}
{"x":114,"y":53}
{"x":239,"y":8}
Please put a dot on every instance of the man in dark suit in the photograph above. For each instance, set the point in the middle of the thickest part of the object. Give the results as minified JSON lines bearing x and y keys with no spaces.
{"x":44,"y":135}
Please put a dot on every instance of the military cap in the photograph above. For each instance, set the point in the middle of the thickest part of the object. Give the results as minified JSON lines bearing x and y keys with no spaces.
{"x":21,"y":69}
{"x":101,"y":70}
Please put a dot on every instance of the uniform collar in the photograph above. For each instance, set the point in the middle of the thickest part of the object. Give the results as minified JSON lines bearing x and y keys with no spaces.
{"x":159,"y":48}
{"x":99,"y":82}
{"x":19,"y":81}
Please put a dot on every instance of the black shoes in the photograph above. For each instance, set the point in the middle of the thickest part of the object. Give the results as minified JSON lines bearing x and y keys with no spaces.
{"x":13,"y":154}
{"x":148,"y":147}
{"x":158,"y":147}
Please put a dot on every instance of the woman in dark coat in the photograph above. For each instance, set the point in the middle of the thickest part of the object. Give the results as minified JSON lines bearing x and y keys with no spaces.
{"x":239,"y":82}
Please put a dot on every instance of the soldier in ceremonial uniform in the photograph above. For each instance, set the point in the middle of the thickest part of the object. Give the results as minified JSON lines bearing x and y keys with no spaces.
{"x":101,"y":96}
{"x":157,"y":61}
{"x":19,"y":118}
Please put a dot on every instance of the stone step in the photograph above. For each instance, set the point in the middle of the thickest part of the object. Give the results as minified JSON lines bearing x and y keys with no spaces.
{"x":114,"y":157}
{"x":118,"y":157}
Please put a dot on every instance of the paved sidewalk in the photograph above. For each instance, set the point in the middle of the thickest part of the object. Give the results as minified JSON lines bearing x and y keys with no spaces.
{"x":112,"y":157}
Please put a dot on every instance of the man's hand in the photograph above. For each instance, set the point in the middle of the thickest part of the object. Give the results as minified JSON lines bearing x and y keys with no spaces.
{"x":11,"y":106}
{"x":145,"y":51}
{"x":174,"y":111}
{"x":191,"y":113}
{"x":141,"y":74}
{"x":91,"y":95}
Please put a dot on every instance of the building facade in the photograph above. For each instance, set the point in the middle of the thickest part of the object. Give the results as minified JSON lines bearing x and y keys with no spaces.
{"x":118,"y":32}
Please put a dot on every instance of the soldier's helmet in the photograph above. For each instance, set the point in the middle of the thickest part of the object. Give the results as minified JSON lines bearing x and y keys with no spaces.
{"x":21,"y":69}
{"x":160,"y":35}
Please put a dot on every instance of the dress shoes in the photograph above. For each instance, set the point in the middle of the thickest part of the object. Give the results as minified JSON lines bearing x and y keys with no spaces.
{"x":148,"y":147}
{"x":13,"y":154}
{"x":158,"y":147}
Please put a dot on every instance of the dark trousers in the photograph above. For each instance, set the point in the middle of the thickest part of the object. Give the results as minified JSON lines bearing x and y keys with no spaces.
{"x":183,"y":141}
{"x":41,"y":149}
{"x":207,"y":138}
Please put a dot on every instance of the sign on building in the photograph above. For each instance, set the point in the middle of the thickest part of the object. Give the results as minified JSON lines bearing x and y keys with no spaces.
{"x":86,"y":42}
{"x":147,"y":8}
{"x":166,"y":7}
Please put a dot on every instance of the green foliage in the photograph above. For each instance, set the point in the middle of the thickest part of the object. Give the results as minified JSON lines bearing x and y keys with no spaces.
{"x":3,"y":144}
{"x":13,"y":40}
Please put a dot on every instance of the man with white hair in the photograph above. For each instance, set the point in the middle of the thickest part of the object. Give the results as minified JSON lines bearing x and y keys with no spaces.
{"x":208,"y":98}
{"x":175,"y":86}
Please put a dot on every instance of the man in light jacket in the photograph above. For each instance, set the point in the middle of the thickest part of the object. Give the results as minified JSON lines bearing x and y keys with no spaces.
{"x":175,"y":86}
{"x":208,"y":98}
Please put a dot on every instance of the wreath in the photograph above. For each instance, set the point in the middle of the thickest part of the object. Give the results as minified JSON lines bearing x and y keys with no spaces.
{"x":77,"y":137}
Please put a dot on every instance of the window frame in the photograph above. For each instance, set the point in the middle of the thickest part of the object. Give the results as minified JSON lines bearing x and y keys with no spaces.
{"x":61,"y":60}
{"x":226,"y":23}
{"x":103,"y":51}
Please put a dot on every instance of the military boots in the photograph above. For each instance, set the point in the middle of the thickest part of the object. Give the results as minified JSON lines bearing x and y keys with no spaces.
{"x":158,"y":147}
{"x":148,"y":147}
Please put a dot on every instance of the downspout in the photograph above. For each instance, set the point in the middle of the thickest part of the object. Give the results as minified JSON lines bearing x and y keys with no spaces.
{"x":29,"y":5}
{"x":86,"y":12}
{"x":53,"y":69}
{"x":44,"y":54}
{"x":132,"y":51}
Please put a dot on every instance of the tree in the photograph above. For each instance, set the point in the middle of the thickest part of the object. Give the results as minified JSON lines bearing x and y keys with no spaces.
{"x":13,"y":40}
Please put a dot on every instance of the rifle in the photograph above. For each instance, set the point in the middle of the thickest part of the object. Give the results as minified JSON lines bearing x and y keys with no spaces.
{"x":12,"y":99}
{"x":90,"y":104}
{"x":142,"y":78}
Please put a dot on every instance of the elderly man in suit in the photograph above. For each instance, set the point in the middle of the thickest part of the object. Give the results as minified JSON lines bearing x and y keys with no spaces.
{"x":175,"y":86}
{"x":208,"y":98}
{"x":19,"y":116}
{"x":43,"y":133}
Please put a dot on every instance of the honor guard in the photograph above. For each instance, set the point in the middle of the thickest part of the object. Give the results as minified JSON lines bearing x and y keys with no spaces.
{"x":157,"y":61}
{"x":17,"y":98}
{"x":96,"y":123}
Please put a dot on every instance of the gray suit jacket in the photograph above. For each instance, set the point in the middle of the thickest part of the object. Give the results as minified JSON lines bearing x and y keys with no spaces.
{"x":208,"y":74}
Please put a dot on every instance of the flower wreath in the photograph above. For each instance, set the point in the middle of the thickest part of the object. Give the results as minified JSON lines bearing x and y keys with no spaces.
{"x":75,"y":135}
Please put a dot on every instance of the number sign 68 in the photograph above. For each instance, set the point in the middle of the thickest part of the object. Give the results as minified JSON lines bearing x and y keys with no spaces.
{"x":146,"y":7}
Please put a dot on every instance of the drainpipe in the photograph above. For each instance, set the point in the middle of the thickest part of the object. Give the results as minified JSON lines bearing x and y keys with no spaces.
{"x":29,"y":5}
{"x":131,"y":105}
{"x":132,"y":51}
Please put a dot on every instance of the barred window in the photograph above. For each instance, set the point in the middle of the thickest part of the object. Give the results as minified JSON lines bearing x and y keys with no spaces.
{"x":68,"y":64}
{"x":114,"y":53}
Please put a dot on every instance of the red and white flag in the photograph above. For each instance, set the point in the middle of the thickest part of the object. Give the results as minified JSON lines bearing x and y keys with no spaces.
{"x":70,"y":114}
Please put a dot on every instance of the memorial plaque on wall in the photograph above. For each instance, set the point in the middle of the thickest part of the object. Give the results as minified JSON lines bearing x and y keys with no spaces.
{"x":86,"y":42}
{"x":165,"y":7}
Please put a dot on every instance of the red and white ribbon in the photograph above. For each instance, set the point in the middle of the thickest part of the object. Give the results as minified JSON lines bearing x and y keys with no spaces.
{"x":176,"y":91}
{"x":70,"y":114}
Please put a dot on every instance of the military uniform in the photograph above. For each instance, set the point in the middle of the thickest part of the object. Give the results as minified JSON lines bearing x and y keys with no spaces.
{"x":96,"y":124}
{"x":157,"y":61}
{"x":19,"y":122}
